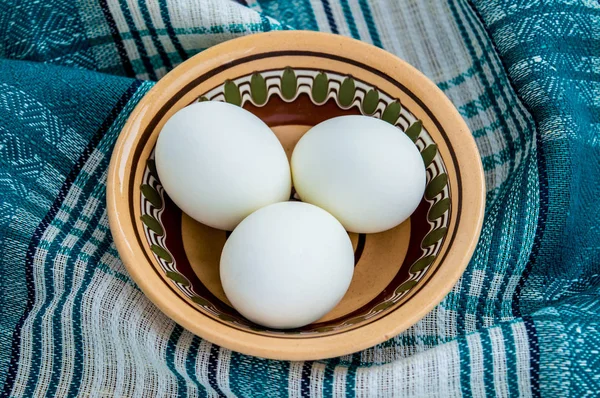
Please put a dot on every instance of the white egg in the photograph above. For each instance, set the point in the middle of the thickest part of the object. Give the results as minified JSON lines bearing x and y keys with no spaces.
{"x":363,"y":170}
{"x":287,"y":265}
{"x":219,"y":163}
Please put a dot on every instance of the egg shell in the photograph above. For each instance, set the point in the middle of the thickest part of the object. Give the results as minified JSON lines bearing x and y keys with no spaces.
{"x":219,"y":163}
{"x":287,"y":265}
{"x":364,"y":171}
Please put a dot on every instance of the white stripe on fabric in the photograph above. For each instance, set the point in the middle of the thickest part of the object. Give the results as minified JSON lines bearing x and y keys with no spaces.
{"x":477,"y":370}
{"x":126,"y":370}
{"x":317,"y":376}
{"x":340,"y":375}
{"x":223,"y":372}
{"x":523,"y":358}
{"x":93,"y":341}
{"x":499,"y":358}
{"x":294,"y":379}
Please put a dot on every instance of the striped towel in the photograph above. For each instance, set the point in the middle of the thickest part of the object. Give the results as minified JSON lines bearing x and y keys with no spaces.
{"x":524,"y":320}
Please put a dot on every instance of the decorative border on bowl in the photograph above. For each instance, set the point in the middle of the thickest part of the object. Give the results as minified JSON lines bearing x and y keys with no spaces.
{"x":320,"y":86}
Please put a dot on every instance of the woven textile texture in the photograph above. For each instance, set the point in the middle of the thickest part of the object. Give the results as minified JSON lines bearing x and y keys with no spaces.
{"x":524,"y":320}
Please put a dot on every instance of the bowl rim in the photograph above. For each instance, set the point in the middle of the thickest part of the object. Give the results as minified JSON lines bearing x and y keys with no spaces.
{"x":319,"y":347}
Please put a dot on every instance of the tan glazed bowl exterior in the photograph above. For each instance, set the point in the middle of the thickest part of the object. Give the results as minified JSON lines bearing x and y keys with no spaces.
{"x":292,"y":81}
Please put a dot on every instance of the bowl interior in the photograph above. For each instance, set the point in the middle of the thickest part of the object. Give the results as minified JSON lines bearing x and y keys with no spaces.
{"x":390,"y":267}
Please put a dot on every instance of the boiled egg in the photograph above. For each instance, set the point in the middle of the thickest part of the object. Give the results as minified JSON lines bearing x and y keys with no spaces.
{"x":364,"y":171}
{"x":287,"y":265}
{"x":219,"y":163}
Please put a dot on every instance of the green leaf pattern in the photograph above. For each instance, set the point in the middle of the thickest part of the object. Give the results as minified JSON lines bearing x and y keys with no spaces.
{"x":258,"y":88}
{"x":347,"y":91}
{"x":320,"y":88}
{"x":177,"y":277}
{"x":289,"y":83}
{"x":232,"y":93}
{"x":370,"y":102}
{"x":152,"y":195}
{"x":162,"y":253}
{"x":392,"y":112}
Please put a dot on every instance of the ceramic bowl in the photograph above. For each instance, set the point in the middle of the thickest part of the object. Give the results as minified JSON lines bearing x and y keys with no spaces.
{"x":292,"y":81}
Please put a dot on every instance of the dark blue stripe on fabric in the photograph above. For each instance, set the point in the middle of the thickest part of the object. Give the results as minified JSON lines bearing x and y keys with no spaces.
{"x":328,"y":376}
{"x":465,"y":367}
{"x":329,"y":14}
{"x":114,"y":32}
{"x":137,"y":39}
{"x":366,"y":10}
{"x":170,"y":359}
{"x":305,"y":379}
{"x":351,"y":375}
{"x":37,"y":235}
{"x":155,"y":39}
{"x":164,"y":13}
{"x":213,"y":364}
{"x":349,"y":19}
{"x":534,"y":355}
{"x":488,"y":363}
{"x":512,"y":377}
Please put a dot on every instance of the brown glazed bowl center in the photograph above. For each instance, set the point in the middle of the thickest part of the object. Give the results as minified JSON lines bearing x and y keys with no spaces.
{"x":293,"y":81}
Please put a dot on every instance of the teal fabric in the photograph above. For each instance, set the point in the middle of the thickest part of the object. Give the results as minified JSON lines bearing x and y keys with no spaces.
{"x":524,"y":320}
